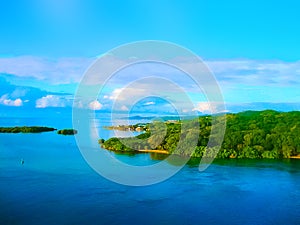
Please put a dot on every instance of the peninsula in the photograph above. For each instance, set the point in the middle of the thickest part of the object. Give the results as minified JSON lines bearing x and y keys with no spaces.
{"x":250,"y":134}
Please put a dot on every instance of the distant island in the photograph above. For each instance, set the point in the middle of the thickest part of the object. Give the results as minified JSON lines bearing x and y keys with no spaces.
{"x":67,"y":132}
{"x":250,"y":134}
{"x":36,"y":129}
{"x":25,"y":129}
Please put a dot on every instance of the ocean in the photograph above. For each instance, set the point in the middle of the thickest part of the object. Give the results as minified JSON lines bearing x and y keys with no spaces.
{"x":55,"y":185}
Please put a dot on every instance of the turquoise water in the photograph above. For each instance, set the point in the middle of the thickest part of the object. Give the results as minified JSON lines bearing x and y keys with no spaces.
{"x":56,"y":186}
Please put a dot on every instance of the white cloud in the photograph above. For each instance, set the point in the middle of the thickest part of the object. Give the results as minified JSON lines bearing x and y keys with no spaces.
{"x":132,"y":94}
{"x":116,"y":94}
{"x":234,"y":76}
{"x":126,"y":94}
{"x":71,"y":70}
{"x":210,"y":107}
{"x":124,"y":108}
{"x":57,"y":71}
{"x":18,"y":102}
{"x":95,"y":105}
{"x":51,"y":101}
{"x":256,"y":72}
{"x":204,"y":107}
{"x":4,"y":100}
{"x":150,"y":103}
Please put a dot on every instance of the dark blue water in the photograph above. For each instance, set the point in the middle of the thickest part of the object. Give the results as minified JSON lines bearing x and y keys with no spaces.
{"x":56,"y":186}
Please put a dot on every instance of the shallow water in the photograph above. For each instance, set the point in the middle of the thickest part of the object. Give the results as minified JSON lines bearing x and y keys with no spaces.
{"x":56,"y":186}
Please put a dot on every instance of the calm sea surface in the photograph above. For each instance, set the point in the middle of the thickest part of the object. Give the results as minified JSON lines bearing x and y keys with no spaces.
{"x":56,"y":186}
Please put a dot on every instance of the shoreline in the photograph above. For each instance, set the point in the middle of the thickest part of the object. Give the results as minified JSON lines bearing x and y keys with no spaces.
{"x":295,"y":157}
{"x":168,"y":153}
{"x":154,"y":151}
{"x":140,"y":151}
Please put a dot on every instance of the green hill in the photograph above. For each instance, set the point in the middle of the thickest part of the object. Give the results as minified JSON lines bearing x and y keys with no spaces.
{"x":249,"y":134}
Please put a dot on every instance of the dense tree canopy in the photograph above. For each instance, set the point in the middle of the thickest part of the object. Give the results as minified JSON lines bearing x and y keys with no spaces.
{"x":250,"y":134}
{"x":25,"y":129}
{"x":67,"y":131}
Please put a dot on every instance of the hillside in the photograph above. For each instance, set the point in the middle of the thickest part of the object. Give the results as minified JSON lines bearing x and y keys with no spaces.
{"x":249,"y":134}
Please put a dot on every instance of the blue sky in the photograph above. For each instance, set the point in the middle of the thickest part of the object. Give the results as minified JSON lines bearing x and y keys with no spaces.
{"x":251,"y":46}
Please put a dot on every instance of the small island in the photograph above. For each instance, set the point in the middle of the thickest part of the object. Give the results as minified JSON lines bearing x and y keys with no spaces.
{"x":67,"y":132}
{"x":251,"y":134}
{"x":36,"y":129}
{"x":26,"y":129}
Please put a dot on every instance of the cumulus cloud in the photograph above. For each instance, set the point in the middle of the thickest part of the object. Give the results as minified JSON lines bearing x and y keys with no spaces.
{"x":5,"y":100}
{"x":204,"y":107}
{"x":87,"y":103}
{"x":95,"y":105}
{"x":52,"y":101}
{"x":209,"y":107}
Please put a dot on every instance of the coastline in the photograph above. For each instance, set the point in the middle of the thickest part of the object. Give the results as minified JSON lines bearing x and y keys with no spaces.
{"x":154,"y":151}
{"x":164,"y":152}
{"x":295,"y":157}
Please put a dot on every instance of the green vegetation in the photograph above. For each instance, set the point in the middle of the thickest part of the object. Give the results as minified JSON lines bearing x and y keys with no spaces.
{"x":25,"y":129}
{"x":101,"y":141}
{"x":67,"y":131}
{"x":136,"y":127}
{"x":36,"y":129}
{"x":250,"y":134}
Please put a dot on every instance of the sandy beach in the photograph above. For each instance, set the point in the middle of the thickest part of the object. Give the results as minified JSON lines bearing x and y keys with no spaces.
{"x":154,"y":151}
{"x":295,"y":157}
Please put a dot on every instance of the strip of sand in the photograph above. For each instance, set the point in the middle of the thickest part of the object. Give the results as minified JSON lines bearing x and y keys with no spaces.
{"x":154,"y":151}
{"x":295,"y":157}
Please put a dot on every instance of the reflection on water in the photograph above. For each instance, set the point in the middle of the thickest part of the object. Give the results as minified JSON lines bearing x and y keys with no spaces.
{"x":158,"y":156}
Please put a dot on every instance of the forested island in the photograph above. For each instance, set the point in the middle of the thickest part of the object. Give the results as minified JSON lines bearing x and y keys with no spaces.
{"x":25,"y":129}
{"x":250,"y":134}
{"x":36,"y":129}
{"x":67,"y":132}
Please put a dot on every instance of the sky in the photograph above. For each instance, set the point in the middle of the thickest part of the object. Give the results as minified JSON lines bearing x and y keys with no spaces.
{"x":252,"y":47}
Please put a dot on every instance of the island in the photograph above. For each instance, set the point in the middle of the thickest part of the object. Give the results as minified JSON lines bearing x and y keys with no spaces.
{"x":250,"y":134}
{"x":67,"y":132}
{"x":36,"y":129}
{"x":26,"y":129}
